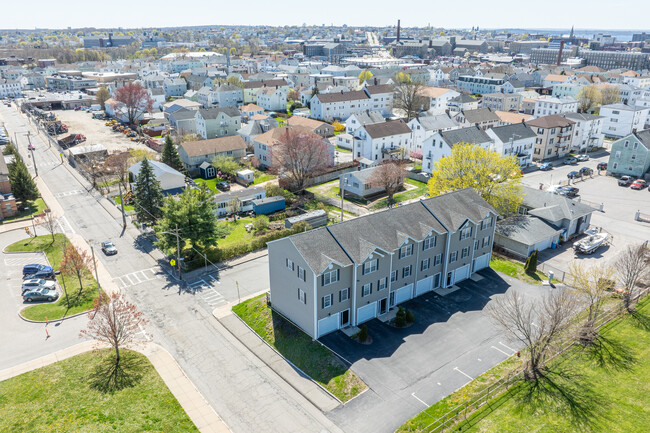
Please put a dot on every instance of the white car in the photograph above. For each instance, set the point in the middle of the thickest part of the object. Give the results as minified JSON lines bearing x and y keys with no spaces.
{"x":38,"y":283}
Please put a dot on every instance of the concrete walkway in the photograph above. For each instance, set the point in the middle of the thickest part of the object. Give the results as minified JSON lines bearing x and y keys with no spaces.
{"x":196,"y":407}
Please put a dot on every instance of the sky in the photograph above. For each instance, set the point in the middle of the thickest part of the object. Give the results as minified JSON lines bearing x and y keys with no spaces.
{"x":560,"y":14}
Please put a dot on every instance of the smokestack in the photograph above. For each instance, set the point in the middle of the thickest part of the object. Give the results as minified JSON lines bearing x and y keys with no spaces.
{"x":398,"y":28}
{"x":559,"y":54}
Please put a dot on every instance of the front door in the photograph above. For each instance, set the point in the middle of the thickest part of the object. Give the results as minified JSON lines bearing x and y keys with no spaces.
{"x":450,"y":276}
{"x":392,"y":299}
{"x":345,"y":318}
{"x":383,"y":306}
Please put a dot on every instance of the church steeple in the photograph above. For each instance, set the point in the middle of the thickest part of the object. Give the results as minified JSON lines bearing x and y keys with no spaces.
{"x":571,"y":35}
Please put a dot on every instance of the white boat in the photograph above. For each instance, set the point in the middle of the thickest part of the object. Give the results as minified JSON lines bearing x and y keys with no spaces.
{"x":591,"y":243}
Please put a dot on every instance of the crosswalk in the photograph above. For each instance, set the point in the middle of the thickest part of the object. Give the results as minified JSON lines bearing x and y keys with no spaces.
{"x":64,"y":225}
{"x":69,"y":193}
{"x":138,"y":277}
{"x":208,"y":293}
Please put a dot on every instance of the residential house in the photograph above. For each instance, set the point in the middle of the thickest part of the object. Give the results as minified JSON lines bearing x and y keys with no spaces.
{"x":547,"y":105}
{"x":228,"y":95}
{"x":630,"y":155}
{"x":256,"y":125}
{"x":206,"y":97}
{"x":196,"y":82}
{"x":273,"y":98}
{"x":321,"y":128}
{"x":358,"y":184}
{"x":10,"y":88}
{"x":171,"y":181}
{"x":158,"y":97}
{"x":441,"y":143}
{"x":357,"y":120}
{"x":588,"y":131}
{"x":622,"y":120}
{"x":382,"y":141}
{"x":183,"y":121}
{"x":439,"y":98}
{"x":174,"y":87}
{"x":250,"y":110}
{"x":31,"y":81}
{"x":521,"y":235}
{"x":252,"y":87}
{"x":263,"y":144}
{"x":194,"y":153}
{"x":516,"y":140}
{"x":513,"y":86}
{"x":462,"y":102}
{"x":479,"y":85}
{"x":381,"y":98}
{"x":424,"y":127}
{"x":243,"y":197}
{"x":217,"y":122}
{"x":483,"y":118}
{"x":507,"y":117}
{"x":502,"y":101}
{"x":348,"y":273}
{"x":341,"y":105}
{"x":554,"y":137}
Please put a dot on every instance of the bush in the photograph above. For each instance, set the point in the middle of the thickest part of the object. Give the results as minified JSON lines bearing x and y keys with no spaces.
{"x":363,"y":334}
{"x":531,"y":263}
{"x":410,"y":317}
{"x":278,"y":216}
{"x":400,"y":317}
{"x":261,"y":223}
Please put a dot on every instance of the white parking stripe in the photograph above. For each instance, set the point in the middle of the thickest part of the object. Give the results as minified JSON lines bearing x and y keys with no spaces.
{"x":507,"y":347}
{"x":130,"y":281}
{"x":496,"y":348}
{"x":416,"y":397}
{"x":464,"y":374}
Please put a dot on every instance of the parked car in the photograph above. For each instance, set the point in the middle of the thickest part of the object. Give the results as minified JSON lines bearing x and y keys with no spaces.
{"x":625,"y":181}
{"x":545,"y":166}
{"x":638,"y":184}
{"x":109,"y":248}
{"x":31,"y":147}
{"x":32,"y":269}
{"x":570,"y":161}
{"x":585,"y":171}
{"x":223,"y":186}
{"x":41,"y":275}
{"x":572,"y":174}
{"x":583,"y":158}
{"x":37,"y":283}
{"x":569,"y":191}
{"x":601,"y":166}
{"x":41,"y":294}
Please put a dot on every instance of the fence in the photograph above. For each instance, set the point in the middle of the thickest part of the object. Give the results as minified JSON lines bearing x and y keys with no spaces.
{"x":596,"y":206}
{"x":460,"y":413}
{"x":558,"y":274}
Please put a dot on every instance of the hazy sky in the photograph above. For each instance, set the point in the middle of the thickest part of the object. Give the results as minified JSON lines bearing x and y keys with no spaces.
{"x":593,"y":14}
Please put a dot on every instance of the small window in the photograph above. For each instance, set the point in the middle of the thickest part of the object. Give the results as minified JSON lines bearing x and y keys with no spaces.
{"x":425,"y":264}
{"x":366,"y":290}
{"x":429,"y":243}
{"x":302,"y":296}
{"x":382,"y":284}
{"x":618,"y":154}
{"x":437,"y":260}
{"x":290,"y":264}
{"x":487,"y":222}
{"x":406,"y":272}
{"x":344,"y":294}
{"x":406,"y":251}
{"x":301,"y":273}
{"x":370,"y":266}
{"x":633,"y":157}
{"x":453,"y":257}
{"x":486,"y":241}
{"x":330,"y":277}
{"x":476,"y":245}
{"x":464,"y":252}
{"x":327,"y":301}
{"x":393,"y":276}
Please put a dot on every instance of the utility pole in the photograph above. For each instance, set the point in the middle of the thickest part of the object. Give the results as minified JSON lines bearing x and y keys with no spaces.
{"x":342,"y":194}
{"x":119,"y":184}
{"x":99,"y":290}
{"x":178,"y":252}
{"x":33,"y":226}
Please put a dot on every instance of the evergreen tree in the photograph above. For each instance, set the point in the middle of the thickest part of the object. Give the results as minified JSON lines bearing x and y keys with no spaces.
{"x":147,"y":194}
{"x":22,"y":185}
{"x":9,"y":149}
{"x":533,"y":262}
{"x":170,"y":155}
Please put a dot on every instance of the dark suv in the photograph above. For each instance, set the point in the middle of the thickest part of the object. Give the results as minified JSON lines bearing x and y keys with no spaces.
{"x":41,"y":275}
{"x":34,"y":268}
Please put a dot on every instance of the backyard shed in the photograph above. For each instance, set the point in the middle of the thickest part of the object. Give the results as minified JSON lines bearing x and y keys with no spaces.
{"x":207,"y":170}
{"x":264,"y":206}
{"x":315,"y":218}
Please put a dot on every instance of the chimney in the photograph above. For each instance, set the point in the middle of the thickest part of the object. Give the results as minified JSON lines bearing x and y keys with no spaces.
{"x":398,"y":28}
{"x":430,"y":43}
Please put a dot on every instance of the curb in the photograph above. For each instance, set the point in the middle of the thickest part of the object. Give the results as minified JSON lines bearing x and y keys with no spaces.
{"x":49,"y":321}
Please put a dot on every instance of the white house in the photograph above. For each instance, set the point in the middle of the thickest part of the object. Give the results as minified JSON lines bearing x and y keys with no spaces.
{"x":174,"y":87}
{"x":424,"y":127}
{"x":381,"y":98}
{"x":158,"y":97}
{"x":547,"y":105}
{"x":357,"y":120}
{"x":263,"y":144}
{"x":273,"y":98}
{"x":171,"y":181}
{"x":341,"y":105}
{"x":439,"y":98}
{"x":516,"y":140}
{"x":10,"y":88}
{"x":441,"y":143}
{"x":621,"y":120}
{"x":358,"y":183}
{"x":588,"y":131}
{"x":382,"y":141}
{"x":244,"y":198}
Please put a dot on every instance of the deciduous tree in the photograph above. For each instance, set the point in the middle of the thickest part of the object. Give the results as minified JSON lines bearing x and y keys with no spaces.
{"x":299,"y":155}
{"x":147,"y":195}
{"x":114,"y":321}
{"x":102,"y":96}
{"x":48,"y":222}
{"x":632,"y":266}
{"x":226,"y":165}
{"x":364,"y":75}
{"x":76,"y":263}
{"x":408,"y":96}
{"x":390,"y":177}
{"x":611,"y":95}
{"x":136,"y":100}
{"x":496,"y":178}
{"x":589,"y":98}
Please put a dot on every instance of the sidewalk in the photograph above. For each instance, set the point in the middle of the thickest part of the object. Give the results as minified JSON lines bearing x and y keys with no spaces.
{"x":196,"y":407}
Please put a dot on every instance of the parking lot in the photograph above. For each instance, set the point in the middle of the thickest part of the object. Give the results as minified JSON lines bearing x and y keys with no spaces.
{"x":452,"y":341}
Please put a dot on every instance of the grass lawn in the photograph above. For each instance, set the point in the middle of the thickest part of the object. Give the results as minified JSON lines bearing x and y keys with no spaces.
{"x":79,"y":302}
{"x":419,"y":190}
{"x":312,"y":358}
{"x":118,"y":202}
{"x":340,"y":149}
{"x":609,"y":397}
{"x":33,"y":207}
{"x":211,"y":183}
{"x":263,"y":177}
{"x":62,"y":398}
{"x":516,"y":270}
{"x":238,"y":233}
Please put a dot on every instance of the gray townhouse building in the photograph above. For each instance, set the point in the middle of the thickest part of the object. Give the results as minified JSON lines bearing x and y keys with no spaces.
{"x":351,"y":272}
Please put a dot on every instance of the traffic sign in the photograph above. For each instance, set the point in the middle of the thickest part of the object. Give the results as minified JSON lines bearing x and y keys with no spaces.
{"x":172,"y":262}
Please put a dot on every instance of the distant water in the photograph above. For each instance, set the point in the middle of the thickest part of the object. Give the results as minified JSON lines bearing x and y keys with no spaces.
{"x":621,"y":35}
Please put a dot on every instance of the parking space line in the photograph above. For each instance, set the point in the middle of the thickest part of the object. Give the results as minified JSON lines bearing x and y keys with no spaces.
{"x":214,"y":279}
{"x":507,"y":347}
{"x":463,"y":373}
{"x":418,"y":399}
{"x":130,"y":280}
{"x":496,"y":348}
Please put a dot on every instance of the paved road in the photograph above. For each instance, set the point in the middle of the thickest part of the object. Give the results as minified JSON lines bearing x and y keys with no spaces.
{"x":246,"y":395}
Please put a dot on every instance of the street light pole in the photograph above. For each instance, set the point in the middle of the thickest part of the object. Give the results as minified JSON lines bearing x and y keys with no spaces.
{"x":178,"y":253}
{"x":119,"y":184}
{"x":31,"y":149}
{"x":99,"y":290}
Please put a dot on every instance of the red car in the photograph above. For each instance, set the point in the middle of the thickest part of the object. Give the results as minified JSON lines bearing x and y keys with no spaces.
{"x":638,"y":184}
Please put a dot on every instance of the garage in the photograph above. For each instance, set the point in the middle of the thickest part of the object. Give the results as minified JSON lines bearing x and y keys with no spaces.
{"x":403,"y":294}
{"x":423,"y":286}
{"x":461,"y":273}
{"x":481,"y":262}
{"x":542,"y":245}
{"x":366,"y":313}
{"x":328,"y":324}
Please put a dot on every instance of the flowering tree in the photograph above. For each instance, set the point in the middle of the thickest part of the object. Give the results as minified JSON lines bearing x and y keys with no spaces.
{"x":135,"y":98}
{"x":388,"y":176}
{"x":76,"y":263}
{"x":416,"y":154}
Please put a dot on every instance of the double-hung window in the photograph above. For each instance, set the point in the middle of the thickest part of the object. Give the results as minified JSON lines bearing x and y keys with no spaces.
{"x":406,"y":251}
{"x":453,"y":257}
{"x":381,"y":284}
{"x":366,"y":290}
{"x":290,"y":264}
{"x":437,"y":260}
{"x":302,"y":296}
{"x":393,"y":276}
{"x":327,"y":301}
{"x":429,"y":243}
{"x":464,"y":252}
{"x":301,"y":273}
{"x":486,"y":241}
{"x":466,"y":233}
{"x":370,"y":266}
{"x":406,"y":272}
{"x":330,"y":277}
{"x":487,"y":222}
{"x":425,"y":264}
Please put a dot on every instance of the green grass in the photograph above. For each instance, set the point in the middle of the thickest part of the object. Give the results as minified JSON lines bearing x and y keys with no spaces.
{"x":60,"y":398}
{"x":419,"y":190}
{"x":79,"y":302}
{"x":238,"y":233}
{"x":263,"y":177}
{"x":308,"y":355}
{"x":516,"y":270}
{"x":340,"y":149}
{"x":33,"y":207}
{"x":118,"y":201}
{"x":210,"y":183}
{"x":611,"y":397}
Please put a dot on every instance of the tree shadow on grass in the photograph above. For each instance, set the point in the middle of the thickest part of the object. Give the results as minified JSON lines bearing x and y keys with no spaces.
{"x":108,"y":376}
{"x":609,"y":353}
{"x":640,"y":320}
{"x":563,"y":392}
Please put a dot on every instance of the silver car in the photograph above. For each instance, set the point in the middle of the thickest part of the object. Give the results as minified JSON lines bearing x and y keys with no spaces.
{"x":40,"y":294}
{"x":35,"y":283}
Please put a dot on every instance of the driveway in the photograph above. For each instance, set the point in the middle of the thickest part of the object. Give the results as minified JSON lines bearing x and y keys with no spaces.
{"x":408,"y":369}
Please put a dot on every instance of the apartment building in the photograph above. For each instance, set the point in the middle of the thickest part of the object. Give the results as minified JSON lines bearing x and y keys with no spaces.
{"x":516,"y":140}
{"x":630,"y":155}
{"x":351,"y":272}
{"x":342,"y":105}
{"x":217,"y":122}
{"x":424,"y":127}
{"x":554,"y":135}
{"x":381,"y":98}
{"x":439,"y":98}
{"x":441,"y":143}
{"x":588,"y":131}
{"x":382,"y":141}
{"x":621,"y":120}
{"x":547,"y":105}
{"x":502,"y":101}
{"x":251,"y":88}
{"x":479,"y":85}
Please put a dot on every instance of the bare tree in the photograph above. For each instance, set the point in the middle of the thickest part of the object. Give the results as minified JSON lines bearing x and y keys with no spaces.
{"x":234,"y":207}
{"x":300,"y":154}
{"x":611,"y":95}
{"x":409,"y":97}
{"x":48,"y":222}
{"x":632,"y":267}
{"x":119,"y":164}
{"x":76,"y":263}
{"x":592,"y":285}
{"x":390,"y":177}
{"x":114,"y":321}
{"x":537,"y":325}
